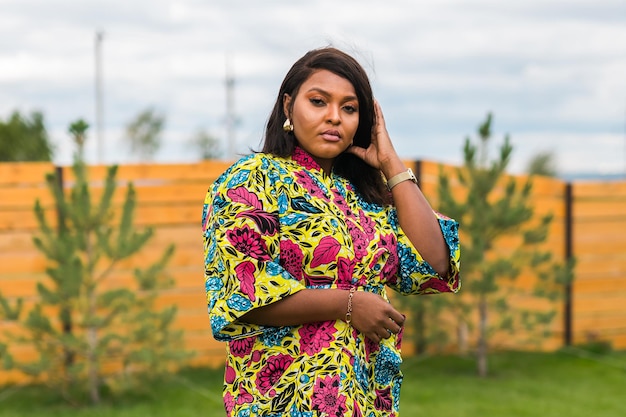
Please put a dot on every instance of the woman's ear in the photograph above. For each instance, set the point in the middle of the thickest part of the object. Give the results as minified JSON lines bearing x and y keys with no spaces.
{"x":286,"y":104}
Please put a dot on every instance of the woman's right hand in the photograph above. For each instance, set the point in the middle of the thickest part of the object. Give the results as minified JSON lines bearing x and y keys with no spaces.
{"x":375,"y":317}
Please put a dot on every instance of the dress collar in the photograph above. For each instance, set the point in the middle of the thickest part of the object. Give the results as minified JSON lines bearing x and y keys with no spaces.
{"x":305,"y":159}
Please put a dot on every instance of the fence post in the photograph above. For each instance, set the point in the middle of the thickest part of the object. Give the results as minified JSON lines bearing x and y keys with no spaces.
{"x":569,"y":220}
{"x":417,"y":170}
{"x":66,"y":323}
{"x":420,"y":318}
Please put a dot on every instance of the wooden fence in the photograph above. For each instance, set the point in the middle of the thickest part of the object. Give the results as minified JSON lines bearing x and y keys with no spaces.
{"x":598,"y":307}
{"x":589,"y":224}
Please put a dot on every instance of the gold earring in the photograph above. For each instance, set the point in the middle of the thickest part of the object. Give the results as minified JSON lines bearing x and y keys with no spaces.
{"x":287,"y":126}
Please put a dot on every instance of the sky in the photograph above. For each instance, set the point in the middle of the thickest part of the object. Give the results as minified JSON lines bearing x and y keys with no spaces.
{"x":552,"y":72}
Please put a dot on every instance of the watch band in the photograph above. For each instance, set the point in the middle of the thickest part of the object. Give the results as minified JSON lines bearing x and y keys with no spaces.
{"x":403,"y":176}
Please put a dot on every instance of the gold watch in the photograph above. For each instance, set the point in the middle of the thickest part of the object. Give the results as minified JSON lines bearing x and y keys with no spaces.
{"x":403,"y":176}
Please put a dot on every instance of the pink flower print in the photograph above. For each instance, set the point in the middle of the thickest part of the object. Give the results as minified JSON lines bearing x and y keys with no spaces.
{"x":383,"y":399}
{"x":436,"y":284}
{"x":326,"y":399}
{"x":229,"y":374}
{"x":367,"y":224}
{"x":242,"y":195}
{"x":256,"y":356}
{"x":303,"y":158}
{"x":343,"y":206}
{"x":370,"y":347}
{"x":229,"y":403}
{"x":312,"y":188}
{"x":291,"y":258}
{"x":316,"y":280}
{"x":345,"y":271}
{"x":389,"y":243}
{"x":244,"y":396}
{"x":325,"y":252}
{"x":267,"y":223}
{"x":316,"y":336}
{"x":242,"y":347}
{"x":359,"y":241}
{"x":248,"y":242}
{"x":272,"y":371}
{"x":245,"y":275}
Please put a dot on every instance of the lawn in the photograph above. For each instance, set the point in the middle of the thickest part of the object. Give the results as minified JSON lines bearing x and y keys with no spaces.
{"x":521,"y":384}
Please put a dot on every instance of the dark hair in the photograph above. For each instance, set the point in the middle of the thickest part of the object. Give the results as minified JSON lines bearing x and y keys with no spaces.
{"x":367,"y":179}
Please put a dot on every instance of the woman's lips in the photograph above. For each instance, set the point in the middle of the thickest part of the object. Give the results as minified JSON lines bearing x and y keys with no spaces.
{"x":331,"y":135}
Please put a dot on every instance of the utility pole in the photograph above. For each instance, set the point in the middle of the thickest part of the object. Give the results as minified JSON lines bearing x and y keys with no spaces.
{"x":230,"y":110}
{"x":98,"y":85}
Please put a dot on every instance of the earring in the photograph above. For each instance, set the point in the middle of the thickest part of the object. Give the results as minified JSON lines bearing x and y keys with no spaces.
{"x":287,"y":126}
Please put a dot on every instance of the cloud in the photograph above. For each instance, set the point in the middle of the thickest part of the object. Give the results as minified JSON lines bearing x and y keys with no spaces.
{"x":551,"y":71}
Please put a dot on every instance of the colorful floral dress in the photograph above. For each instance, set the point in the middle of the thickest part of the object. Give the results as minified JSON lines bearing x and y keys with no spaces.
{"x":274,"y":226}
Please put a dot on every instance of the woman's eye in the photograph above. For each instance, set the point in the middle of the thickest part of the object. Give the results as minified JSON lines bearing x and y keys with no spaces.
{"x":350,"y":109}
{"x":317,"y":101}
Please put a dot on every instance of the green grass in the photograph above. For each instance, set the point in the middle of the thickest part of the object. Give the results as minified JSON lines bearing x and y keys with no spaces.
{"x":521,"y":384}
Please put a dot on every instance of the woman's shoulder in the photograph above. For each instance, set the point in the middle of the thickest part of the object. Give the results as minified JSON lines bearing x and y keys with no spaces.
{"x":254,"y":160}
{"x":249,"y":167}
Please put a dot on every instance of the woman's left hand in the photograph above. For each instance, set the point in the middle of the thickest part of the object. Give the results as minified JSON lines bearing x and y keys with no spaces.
{"x":381,"y":151}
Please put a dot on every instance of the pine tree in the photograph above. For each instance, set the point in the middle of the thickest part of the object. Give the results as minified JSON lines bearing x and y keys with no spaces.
{"x":97,"y":323}
{"x":78,"y":130}
{"x":492,"y":207}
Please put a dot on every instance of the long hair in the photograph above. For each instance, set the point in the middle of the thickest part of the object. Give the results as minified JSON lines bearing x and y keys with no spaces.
{"x":367,"y":179}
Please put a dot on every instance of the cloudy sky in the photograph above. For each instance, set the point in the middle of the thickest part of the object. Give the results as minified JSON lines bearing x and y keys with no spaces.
{"x":552,"y":72}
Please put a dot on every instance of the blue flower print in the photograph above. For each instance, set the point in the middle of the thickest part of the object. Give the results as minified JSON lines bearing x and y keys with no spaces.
{"x":387,"y":365}
{"x":292,"y":218}
{"x":238,"y":178}
{"x":217,"y":324}
{"x":213,"y":284}
{"x":283,"y":203}
{"x":273,"y":268}
{"x":450,"y":229}
{"x":273,"y":336}
{"x":395,"y":392}
{"x":239,"y":303}
{"x":361,"y":373}
{"x":219,"y":203}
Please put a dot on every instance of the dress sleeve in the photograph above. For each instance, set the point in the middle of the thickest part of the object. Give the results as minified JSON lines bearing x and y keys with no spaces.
{"x":241,"y":248}
{"x":416,"y":275}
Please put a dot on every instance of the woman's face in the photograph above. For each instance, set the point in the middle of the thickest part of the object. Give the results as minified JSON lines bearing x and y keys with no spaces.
{"x":325,"y":116}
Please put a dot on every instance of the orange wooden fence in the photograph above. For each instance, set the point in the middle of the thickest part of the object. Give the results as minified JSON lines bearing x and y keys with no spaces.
{"x":170,"y":199}
{"x":599,"y":245}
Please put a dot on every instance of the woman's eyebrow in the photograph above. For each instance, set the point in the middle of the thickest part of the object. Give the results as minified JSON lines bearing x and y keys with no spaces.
{"x":326,"y":93}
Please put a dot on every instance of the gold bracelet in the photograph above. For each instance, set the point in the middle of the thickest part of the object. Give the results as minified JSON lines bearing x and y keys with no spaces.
{"x":349,"y":312}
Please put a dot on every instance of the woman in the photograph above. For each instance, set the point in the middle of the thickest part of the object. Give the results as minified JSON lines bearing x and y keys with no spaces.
{"x":300,"y":242}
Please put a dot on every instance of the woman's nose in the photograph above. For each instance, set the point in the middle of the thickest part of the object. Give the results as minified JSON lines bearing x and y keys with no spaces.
{"x":333,"y":114}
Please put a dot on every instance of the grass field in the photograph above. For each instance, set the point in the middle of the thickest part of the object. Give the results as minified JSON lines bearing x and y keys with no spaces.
{"x":521,"y":384}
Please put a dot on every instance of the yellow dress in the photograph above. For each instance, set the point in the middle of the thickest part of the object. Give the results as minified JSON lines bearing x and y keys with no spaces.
{"x":274,"y":226}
